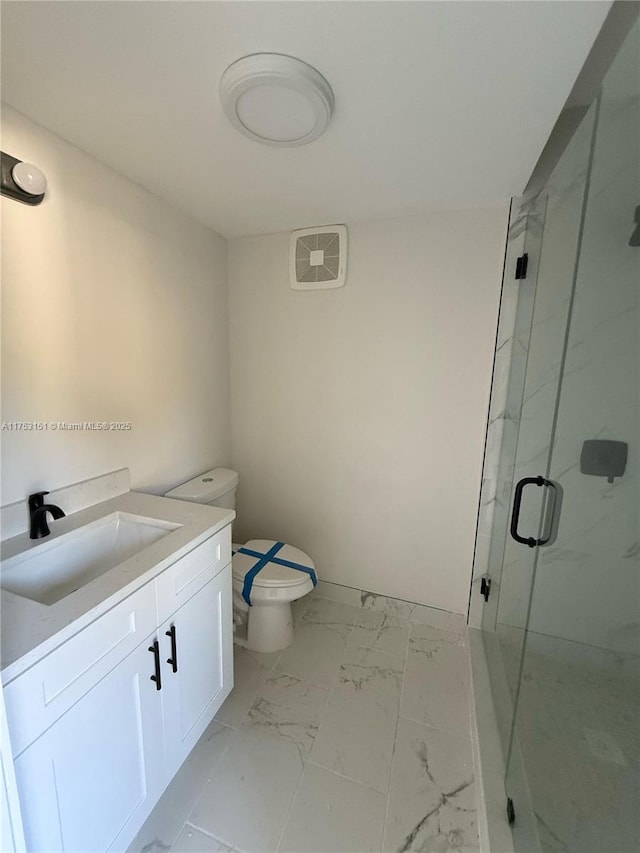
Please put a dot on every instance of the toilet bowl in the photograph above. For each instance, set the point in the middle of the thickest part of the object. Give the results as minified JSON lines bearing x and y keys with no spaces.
{"x":264,"y":622}
{"x":266,"y":575}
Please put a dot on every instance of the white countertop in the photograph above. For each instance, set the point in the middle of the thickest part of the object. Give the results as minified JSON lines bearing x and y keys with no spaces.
{"x":29,"y":630}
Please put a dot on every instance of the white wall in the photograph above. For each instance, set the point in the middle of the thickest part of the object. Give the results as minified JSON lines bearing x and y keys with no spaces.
{"x":114,"y":309}
{"x":359,"y":414}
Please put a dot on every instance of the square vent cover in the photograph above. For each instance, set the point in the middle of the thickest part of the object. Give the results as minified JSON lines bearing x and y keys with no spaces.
{"x":318,"y":257}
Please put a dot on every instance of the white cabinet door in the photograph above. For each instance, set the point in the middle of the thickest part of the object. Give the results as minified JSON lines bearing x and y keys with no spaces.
{"x":90,"y":780}
{"x":44,"y":692}
{"x":11,"y":834}
{"x":203,"y":663}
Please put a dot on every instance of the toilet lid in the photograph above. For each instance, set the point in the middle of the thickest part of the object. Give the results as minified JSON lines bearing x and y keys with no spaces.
{"x":272,"y":574}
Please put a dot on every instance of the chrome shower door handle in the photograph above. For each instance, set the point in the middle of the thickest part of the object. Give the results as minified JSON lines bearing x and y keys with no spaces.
{"x":549,"y":515}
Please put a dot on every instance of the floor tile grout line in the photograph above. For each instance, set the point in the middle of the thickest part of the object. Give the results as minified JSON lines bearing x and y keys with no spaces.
{"x":346,"y":778}
{"x":281,"y":674}
{"x":467,"y":735}
{"x":408,"y":619}
{"x":353,"y":644}
{"x":395,"y":741}
{"x":224,"y":725}
{"x":180,"y":831}
{"x":291,"y":805}
{"x":305,"y":760}
{"x":309,"y":760}
{"x":404,"y":673}
{"x":439,"y":729}
{"x":204,"y":832}
{"x":202,"y":790}
{"x":331,"y":690}
{"x":304,"y":680}
{"x":448,"y":732}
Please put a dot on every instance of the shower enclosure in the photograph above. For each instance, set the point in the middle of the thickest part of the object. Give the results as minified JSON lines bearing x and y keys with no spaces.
{"x":556,"y":587}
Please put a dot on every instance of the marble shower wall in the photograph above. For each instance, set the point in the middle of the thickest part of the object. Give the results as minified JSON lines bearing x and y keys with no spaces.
{"x":532,"y":400}
{"x":586,"y":586}
{"x":526,"y":373}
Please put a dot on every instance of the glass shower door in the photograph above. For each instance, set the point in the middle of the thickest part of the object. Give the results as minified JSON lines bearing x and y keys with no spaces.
{"x":574,"y":762}
{"x":548,"y":226}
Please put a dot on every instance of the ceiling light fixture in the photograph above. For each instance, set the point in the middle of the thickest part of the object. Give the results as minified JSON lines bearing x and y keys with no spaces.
{"x":276,"y":99}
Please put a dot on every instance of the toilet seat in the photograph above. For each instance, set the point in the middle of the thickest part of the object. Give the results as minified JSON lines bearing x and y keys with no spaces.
{"x":272,"y":575}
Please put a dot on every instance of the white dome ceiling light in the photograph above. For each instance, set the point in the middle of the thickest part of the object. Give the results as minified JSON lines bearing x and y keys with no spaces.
{"x":276,"y":99}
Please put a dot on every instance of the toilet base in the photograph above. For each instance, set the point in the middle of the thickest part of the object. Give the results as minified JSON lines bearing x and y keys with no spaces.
{"x":269,"y":628}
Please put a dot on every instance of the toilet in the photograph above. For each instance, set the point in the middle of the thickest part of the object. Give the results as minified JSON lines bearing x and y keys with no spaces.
{"x":267,"y":575}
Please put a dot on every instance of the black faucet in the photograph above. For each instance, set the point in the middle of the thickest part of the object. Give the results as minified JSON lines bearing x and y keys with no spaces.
{"x":38,"y":510}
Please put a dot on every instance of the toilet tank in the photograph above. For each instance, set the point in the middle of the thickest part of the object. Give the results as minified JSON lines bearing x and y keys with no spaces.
{"x":216,"y":488}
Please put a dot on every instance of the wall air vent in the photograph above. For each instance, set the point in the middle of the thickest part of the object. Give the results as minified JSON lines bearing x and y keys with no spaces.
{"x":318,"y":257}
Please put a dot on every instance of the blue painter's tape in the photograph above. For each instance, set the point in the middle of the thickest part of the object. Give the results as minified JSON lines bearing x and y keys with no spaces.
{"x":263,"y":560}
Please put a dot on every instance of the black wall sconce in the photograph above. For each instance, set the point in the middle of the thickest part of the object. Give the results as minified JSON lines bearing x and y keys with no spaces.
{"x":22,"y":181}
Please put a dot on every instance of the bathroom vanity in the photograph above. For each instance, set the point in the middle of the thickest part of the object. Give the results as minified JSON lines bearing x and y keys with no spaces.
{"x":108,"y":687}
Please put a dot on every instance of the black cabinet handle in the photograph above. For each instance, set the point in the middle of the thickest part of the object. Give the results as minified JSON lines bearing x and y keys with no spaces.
{"x":155,"y":648}
{"x":515,"y":514}
{"x":173,"y":660}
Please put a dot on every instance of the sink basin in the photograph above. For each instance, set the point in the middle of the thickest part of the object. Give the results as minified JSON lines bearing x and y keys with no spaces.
{"x":55,"y":568}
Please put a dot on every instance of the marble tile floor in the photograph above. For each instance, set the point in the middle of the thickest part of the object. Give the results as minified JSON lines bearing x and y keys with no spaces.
{"x":355,"y":738}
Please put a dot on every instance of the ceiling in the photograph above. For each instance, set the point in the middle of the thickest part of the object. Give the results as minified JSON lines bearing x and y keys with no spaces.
{"x":438,"y":104}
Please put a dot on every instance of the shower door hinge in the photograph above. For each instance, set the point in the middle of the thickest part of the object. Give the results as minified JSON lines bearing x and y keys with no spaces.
{"x":521,"y":266}
{"x":511,"y":812}
{"x":485,"y":588}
